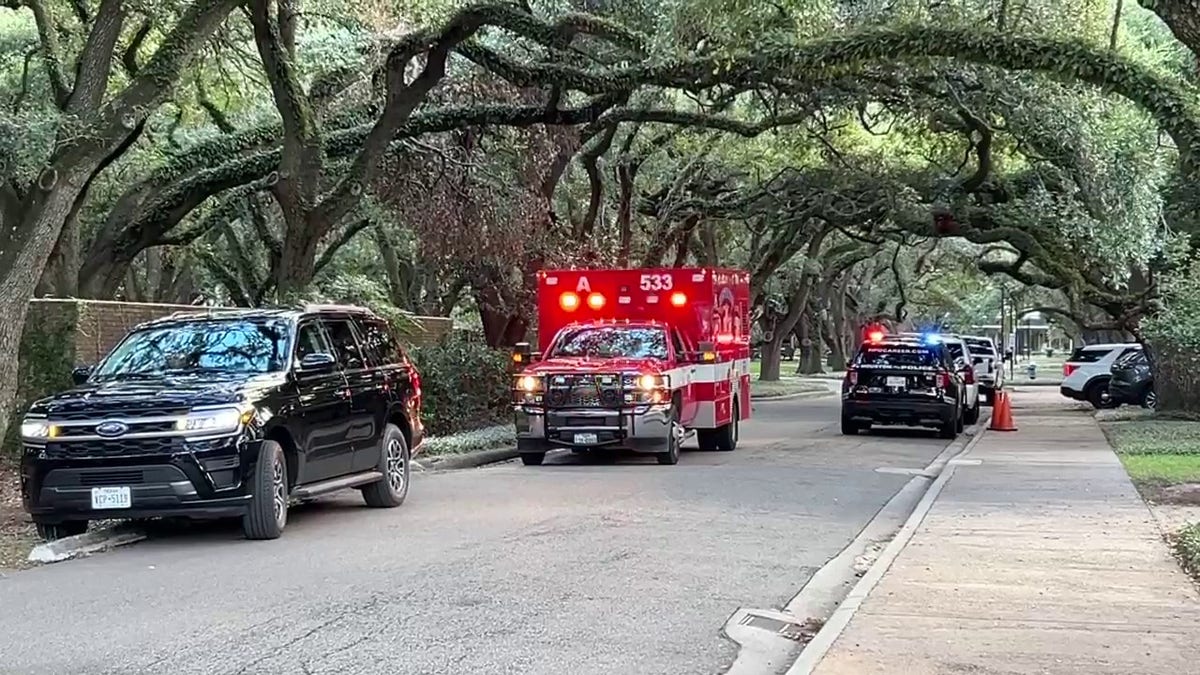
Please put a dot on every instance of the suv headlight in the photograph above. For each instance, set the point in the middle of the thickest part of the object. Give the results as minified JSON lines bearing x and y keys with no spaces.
{"x":222,"y":420}
{"x":36,"y":429}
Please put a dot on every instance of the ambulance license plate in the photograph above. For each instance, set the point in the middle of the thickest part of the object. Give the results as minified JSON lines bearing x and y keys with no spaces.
{"x":897,"y":382}
{"x":586,"y":439}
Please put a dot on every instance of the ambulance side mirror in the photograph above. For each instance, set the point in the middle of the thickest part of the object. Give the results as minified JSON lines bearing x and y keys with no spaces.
{"x":522,"y":355}
{"x":706,"y":354}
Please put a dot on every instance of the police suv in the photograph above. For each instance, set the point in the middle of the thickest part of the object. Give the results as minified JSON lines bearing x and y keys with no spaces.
{"x":903,"y":381}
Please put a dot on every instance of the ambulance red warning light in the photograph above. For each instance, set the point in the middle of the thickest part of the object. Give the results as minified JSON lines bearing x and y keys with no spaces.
{"x":636,"y":359}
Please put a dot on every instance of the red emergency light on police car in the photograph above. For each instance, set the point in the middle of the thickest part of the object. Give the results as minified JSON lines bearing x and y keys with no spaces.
{"x":637,"y":360}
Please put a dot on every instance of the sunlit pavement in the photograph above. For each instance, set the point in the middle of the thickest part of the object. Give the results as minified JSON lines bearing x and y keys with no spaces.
{"x":571,"y":567}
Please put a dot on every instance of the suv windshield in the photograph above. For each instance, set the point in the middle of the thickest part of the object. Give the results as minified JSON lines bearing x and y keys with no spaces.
{"x":232,"y":347}
{"x":897,"y":355}
{"x":614,"y":341}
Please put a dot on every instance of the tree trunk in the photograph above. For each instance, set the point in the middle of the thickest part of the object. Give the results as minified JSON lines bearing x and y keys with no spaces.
{"x":839,"y":357}
{"x":810,"y":348}
{"x":297,"y":264}
{"x":23,"y":256}
{"x":772,"y":359}
{"x":1176,"y":377}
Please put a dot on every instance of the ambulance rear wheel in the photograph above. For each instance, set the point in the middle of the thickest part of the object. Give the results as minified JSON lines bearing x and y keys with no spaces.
{"x":532,"y":458}
{"x":726,"y":438}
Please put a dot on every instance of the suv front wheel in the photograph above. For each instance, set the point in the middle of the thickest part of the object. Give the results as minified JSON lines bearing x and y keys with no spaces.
{"x":394,"y":465}
{"x":267,"y":514}
{"x":55,"y":531}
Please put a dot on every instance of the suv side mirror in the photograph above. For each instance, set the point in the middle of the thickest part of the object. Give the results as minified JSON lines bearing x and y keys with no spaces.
{"x":319,"y":362}
{"x":81,"y":374}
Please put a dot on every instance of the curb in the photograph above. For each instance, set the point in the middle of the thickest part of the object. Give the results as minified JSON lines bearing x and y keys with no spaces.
{"x":88,"y":542}
{"x":816,"y":649}
{"x":467,"y":460}
{"x":792,"y":397}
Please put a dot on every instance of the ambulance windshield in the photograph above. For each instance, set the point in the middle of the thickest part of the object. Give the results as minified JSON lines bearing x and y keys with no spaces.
{"x":613,"y":342}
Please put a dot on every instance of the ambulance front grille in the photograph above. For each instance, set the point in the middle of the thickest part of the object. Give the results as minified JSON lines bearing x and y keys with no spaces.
{"x":585,"y":396}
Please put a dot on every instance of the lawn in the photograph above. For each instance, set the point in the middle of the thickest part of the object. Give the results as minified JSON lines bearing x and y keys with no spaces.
{"x":788,"y":369}
{"x":1157,"y":453}
{"x":1162,"y":457}
{"x":786,"y":386}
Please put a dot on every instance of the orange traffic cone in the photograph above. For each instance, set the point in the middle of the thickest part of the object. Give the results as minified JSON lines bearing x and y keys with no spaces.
{"x":1002,"y":418}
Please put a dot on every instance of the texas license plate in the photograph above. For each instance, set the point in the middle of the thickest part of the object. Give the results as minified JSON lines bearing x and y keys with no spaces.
{"x":898,"y":382}
{"x":111,"y":498}
{"x":586,"y":439}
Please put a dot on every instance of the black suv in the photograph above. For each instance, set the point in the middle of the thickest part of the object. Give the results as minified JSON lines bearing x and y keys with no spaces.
{"x":899,"y":381}
{"x":226,"y":413}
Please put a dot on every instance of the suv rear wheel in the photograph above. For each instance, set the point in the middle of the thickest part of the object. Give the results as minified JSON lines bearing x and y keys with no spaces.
{"x":267,"y":514}
{"x":951,"y":427}
{"x":390,"y":491}
{"x":849,"y":426}
{"x":1097,"y":394}
{"x":54,"y":531}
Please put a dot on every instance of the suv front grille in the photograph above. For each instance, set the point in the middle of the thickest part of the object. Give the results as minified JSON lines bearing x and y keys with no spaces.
{"x":133,"y":447}
{"x":114,"y":448}
{"x":157,"y":425}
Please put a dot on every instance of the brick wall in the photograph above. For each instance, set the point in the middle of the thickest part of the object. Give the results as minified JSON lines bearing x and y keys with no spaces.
{"x":433,"y":329}
{"x":100,"y":325}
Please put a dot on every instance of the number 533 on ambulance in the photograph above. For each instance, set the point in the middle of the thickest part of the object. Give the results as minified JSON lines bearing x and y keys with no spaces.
{"x":635,"y":359}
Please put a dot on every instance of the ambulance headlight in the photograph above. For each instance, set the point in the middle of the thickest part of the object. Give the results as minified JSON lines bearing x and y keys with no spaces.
{"x":651,"y":382}
{"x":529,"y":383}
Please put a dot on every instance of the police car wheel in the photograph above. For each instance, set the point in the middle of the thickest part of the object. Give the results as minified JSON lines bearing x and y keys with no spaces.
{"x":972,"y":415}
{"x":849,"y":426}
{"x":950,"y":428}
{"x":532,"y":458}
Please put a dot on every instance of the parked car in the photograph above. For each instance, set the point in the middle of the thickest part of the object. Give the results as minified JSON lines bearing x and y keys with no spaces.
{"x":1132,"y":381}
{"x":963,"y":362}
{"x":226,"y":413}
{"x":1088,"y":370}
{"x":989,"y":366}
{"x":902,"y":381}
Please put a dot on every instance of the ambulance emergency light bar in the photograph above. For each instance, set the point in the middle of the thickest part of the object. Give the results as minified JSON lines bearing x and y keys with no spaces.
{"x":569,"y":300}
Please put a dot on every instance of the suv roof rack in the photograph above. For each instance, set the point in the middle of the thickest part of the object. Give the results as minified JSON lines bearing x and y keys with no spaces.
{"x":319,"y":307}
{"x":208,"y":311}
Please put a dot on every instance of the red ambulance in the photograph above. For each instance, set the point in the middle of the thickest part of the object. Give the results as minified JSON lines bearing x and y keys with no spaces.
{"x":636,"y":359}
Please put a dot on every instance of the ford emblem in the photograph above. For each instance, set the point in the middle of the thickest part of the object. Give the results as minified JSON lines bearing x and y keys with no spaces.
{"x":111,"y":428}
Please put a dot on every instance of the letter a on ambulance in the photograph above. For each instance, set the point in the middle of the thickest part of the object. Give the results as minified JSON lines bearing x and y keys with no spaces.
{"x":583,"y":286}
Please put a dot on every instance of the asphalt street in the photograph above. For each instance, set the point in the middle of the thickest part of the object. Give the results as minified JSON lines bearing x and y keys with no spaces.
{"x":571,"y":567}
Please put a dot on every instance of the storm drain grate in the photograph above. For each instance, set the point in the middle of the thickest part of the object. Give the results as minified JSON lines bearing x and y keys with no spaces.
{"x":799,"y":632}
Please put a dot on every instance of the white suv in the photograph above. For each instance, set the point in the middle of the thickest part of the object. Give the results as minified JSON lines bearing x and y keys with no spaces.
{"x":989,"y":367}
{"x":1088,"y":370}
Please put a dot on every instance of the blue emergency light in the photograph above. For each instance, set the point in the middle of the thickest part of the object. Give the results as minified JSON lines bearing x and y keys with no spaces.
{"x":931,"y":339}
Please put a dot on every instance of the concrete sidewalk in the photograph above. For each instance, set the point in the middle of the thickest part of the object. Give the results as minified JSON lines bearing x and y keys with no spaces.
{"x":1041,"y":558}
